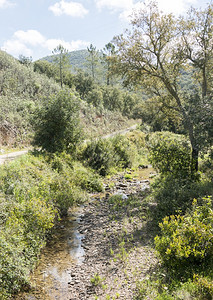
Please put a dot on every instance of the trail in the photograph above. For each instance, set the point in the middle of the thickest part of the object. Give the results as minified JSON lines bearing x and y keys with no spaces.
{"x":123,"y":131}
{"x":11,"y":156}
{"x":4,"y":158}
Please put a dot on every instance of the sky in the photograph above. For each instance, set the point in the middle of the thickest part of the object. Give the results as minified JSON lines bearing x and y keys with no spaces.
{"x":33,"y":28}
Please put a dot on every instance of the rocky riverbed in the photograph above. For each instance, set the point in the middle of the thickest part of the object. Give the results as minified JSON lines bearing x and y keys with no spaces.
{"x":117,"y":243}
{"x":114,"y":245}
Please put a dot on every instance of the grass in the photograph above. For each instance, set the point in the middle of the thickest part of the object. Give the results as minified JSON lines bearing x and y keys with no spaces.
{"x":35,"y":190}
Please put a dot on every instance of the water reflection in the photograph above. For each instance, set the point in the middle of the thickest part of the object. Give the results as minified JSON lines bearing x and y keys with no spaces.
{"x":51,"y":277}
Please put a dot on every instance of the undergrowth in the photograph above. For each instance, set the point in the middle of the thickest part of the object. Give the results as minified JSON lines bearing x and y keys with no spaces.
{"x":35,"y":191}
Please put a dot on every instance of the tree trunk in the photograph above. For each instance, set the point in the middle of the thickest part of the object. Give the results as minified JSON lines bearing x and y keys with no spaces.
{"x":194,"y":160}
{"x":195,"y":148}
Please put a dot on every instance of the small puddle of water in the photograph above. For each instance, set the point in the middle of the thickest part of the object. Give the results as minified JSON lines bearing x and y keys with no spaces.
{"x":50,"y":279}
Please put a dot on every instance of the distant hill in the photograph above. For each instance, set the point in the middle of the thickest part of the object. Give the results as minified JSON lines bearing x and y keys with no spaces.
{"x":77,"y":59}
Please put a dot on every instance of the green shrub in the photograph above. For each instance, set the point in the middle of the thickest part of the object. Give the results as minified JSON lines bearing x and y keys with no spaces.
{"x":86,"y":178}
{"x":186,"y":244}
{"x":137,"y":137}
{"x":206,"y":165}
{"x":57,"y":123}
{"x":125,"y":152}
{"x":34,"y":191}
{"x":169,"y":153}
{"x":28,"y":214}
{"x":204,"y":287}
{"x":173,"y":194}
{"x":104,"y":154}
{"x":99,"y":155}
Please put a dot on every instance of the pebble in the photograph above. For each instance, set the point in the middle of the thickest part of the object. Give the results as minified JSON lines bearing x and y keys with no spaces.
{"x":99,"y":237}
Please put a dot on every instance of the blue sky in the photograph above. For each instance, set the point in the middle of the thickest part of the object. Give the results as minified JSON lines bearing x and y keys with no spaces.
{"x":35,"y":27}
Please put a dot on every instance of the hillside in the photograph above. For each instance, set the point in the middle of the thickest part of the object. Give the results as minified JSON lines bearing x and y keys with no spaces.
{"x":21,"y":93}
{"x":77,"y":59}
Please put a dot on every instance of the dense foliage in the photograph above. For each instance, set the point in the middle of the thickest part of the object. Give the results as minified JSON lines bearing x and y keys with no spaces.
{"x":157,"y":51}
{"x":24,"y":86}
{"x":169,"y":153}
{"x":185,"y":244}
{"x":105,"y":154}
{"x":57,"y":123}
{"x":171,"y":59}
{"x":35,"y":191}
{"x":20,"y":92}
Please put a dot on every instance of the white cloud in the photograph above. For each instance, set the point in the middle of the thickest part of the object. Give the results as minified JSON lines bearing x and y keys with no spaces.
{"x":5,"y":3}
{"x":73,"y":9}
{"x":114,"y":4}
{"x":30,"y":42}
{"x":126,"y":14}
{"x":15,"y":47}
{"x":31,"y":37}
{"x":167,"y":6}
{"x":175,"y":7}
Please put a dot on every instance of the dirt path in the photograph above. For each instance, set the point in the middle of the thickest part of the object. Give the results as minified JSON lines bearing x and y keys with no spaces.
{"x":11,"y":156}
{"x":123,"y":131}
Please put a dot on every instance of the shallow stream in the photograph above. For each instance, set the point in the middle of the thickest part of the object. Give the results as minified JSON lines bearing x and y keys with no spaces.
{"x":52,"y":276}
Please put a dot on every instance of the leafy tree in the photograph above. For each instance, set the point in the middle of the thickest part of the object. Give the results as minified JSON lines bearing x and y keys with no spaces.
{"x":61,"y":60}
{"x":57,"y":124}
{"x":129,"y":102}
{"x":24,"y":60}
{"x":45,"y":67}
{"x":155,"y":53}
{"x":158,"y":117}
{"x":112,"y":98}
{"x":95,"y":97}
{"x":83,"y":83}
{"x":169,"y":153}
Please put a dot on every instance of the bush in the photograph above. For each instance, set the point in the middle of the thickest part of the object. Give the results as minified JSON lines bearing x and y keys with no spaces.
{"x":103,"y":155}
{"x":99,"y":155}
{"x":186,"y":244}
{"x":169,"y":153}
{"x":125,"y":152}
{"x":57,"y":123}
{"x":86,"y":178}
{"x":173,"y":194}
{"x":27,"y":215}
{"x":204,"y":287}
{"x":34,"y":191}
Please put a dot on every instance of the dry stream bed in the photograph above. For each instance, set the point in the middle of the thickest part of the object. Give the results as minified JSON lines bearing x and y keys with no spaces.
{"x":102,"y":249}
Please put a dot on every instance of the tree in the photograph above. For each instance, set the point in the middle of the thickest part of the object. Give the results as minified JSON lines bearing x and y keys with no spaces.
{"x":108,"y":55}
{"x":61,"y":60}
{"x":156,"y":52}
{"x":83,"y":83}
{"x":57,"y":123}
{"x":45,"y":67}
{"x":93,"y":59}
{"x":24,"y":60}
